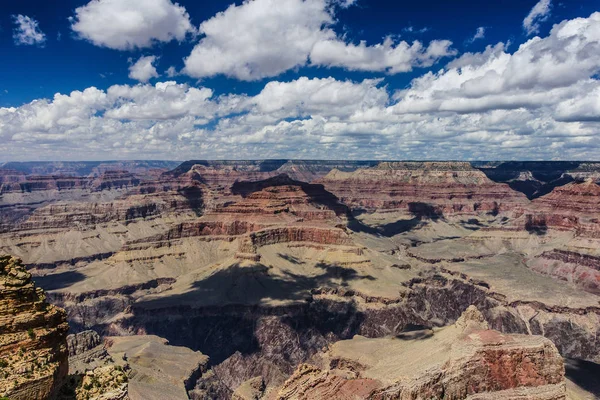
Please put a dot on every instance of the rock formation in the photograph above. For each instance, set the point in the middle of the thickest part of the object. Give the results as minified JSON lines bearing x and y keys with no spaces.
{"x":464,"y":361}
{"x":33,"y":347}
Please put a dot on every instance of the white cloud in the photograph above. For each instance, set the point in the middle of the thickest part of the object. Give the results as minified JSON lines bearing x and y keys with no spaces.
{"x":538,"y":101}
{"x":263,"y":38}
{"x":541,"y":71}
{"x":538,"y":14}
{"x":143,"y":69}
{"x":27,"y":31}
{"x":346,"y":3}
{"x":130,"y":24}
{"x":479,"y":34}
{"x":319,"y":97}
{"x":583,"y":108}
{"x":388,"y":56}
{"x":165,"y":100}
{"x":259,"y":39}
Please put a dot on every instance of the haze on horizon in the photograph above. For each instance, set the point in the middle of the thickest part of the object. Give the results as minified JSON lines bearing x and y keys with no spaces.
{"x":300,"y":79}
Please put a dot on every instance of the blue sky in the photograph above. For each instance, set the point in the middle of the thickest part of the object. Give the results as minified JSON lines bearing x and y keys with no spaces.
{"x":290,"y":78}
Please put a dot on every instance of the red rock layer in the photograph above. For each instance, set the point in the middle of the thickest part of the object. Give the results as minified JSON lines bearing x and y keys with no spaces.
{"x":294,"y":234}
{"x":451,"y":188}
{"x":575,"y":206}
{"x":581,"y":269}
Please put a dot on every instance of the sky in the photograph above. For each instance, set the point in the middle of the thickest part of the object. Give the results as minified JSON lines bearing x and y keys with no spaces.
{"x":303,"y":79}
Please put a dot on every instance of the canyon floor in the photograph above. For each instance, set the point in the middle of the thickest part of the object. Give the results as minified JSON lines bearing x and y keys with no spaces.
{"x":287,"y":279}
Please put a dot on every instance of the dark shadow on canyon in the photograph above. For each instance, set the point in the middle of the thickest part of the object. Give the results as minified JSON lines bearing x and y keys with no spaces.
{"x":425,"y":211}
{"x":194,"y":197}
{"x":472,"y":224}
{"x":58,"y":281}
{"x":385,"y":230}
{"x":219,"y":315}
{"x":585,"y":374}
{"x":414,"y":332}
{"x":422,"y":213}
{"x":536,"y":225}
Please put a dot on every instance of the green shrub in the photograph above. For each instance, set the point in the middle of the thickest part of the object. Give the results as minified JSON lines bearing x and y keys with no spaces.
{"x":31,"y":333}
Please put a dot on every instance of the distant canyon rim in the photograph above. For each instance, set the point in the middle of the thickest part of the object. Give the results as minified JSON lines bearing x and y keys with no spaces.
{"x":300,"y":279}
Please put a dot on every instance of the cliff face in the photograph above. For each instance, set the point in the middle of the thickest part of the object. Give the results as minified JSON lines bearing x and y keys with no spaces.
{"x":33,"y":346}
{"x":450,"y":188}
{"x":571,"y":207}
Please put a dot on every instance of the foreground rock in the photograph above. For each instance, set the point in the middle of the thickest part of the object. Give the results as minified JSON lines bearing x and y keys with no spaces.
{"x":33,"y":346}
{"x":464,"y":361}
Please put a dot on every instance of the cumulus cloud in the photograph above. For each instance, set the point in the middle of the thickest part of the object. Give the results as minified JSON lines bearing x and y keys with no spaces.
{"x":538,"y":101}
{"x":263,"y":38}
{"x":143,"y":69}
{"x":538,"y":14}
{"x":541,"y":71}
{"x":27,"y":31}
{"x":319,"y":97}
{"x":130,"y":24}
{"x":260,"y":38}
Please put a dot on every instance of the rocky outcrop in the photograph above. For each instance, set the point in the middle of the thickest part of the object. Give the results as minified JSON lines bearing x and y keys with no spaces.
{"x":35,"y":183}
{"x":33,"y":346}
{"x":224,"y":173}
{"x":294,"y":234}
{"x":103,"y":383}
{"x":466,"y":360}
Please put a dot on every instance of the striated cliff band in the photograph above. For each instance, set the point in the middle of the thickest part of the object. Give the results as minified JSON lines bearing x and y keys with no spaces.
{"x":315,"y":279}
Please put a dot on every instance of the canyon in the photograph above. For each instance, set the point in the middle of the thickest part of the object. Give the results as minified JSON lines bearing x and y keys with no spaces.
{"x":289,"y":279}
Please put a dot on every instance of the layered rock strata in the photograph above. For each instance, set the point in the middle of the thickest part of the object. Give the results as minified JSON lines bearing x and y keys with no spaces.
{"x":447,"y":188}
